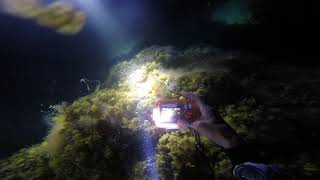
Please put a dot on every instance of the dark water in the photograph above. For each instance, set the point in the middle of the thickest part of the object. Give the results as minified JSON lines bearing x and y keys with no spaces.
{"x":40,"y":67}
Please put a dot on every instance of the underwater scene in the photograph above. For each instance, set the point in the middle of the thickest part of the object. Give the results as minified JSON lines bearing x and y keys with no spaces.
{"x":159,"y":90}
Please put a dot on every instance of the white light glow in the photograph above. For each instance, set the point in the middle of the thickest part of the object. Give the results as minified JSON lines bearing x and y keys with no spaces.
{"x":136,"y":76}
{"x":104,"y":21}
{"x":145,"y":88}
{"x":156,"y":115}
{"x":140,"y":83}
{"x":167,"y":115}
{"x":164,"y":119}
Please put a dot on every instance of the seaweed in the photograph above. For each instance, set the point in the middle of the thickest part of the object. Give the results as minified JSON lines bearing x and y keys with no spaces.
{"x":102,"y":135}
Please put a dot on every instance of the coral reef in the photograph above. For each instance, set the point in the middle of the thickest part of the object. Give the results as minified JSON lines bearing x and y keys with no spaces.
{"x":104,"y":134}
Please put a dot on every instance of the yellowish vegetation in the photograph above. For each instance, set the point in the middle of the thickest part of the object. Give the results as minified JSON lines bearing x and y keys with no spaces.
{"x":60,"y":16}
{"x":102,"y":135}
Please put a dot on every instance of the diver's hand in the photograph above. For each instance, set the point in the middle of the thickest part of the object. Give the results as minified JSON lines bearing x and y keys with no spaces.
{"x":211,"y":125}
{"x":204,"y":111}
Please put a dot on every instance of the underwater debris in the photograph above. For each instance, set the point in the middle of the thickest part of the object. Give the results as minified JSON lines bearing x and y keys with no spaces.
{"x":89,"y":83}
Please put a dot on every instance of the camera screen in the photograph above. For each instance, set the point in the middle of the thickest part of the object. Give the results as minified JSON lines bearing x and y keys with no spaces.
{"x":169,"y":115}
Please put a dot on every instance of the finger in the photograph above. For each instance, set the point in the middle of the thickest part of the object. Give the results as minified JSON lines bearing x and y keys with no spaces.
{"x":182,"y":124}
{"x":196,"y":125}
{"x":192,"y":96}
{"x":202,"y":107}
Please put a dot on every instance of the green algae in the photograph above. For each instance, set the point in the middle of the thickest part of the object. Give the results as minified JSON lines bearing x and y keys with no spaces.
{"x":100,"y":136}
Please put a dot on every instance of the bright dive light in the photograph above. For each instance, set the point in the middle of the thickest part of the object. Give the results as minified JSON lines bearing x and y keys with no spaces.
{"x":137,"y":76}
{"x":169,"y":112}
{"x":140,"y":83}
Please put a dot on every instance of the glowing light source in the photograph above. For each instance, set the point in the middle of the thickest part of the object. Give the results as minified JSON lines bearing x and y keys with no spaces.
{"x":140,"y":83}
{"x":137,"y":76}
{"x":164,"y":118}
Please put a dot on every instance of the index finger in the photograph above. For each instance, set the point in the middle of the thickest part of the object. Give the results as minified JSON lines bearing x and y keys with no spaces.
{"x":203,"y":108}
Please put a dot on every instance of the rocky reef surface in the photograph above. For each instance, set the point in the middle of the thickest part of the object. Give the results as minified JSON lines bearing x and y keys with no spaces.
{"x":109,"y":134}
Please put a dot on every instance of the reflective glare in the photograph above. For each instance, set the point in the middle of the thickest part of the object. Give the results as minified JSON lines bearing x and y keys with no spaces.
{"x":164,"y":118}
{"x":141,"y":85}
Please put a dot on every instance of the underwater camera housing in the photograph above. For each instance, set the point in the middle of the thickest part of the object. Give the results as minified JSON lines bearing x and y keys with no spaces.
{"x":167,"y":113}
